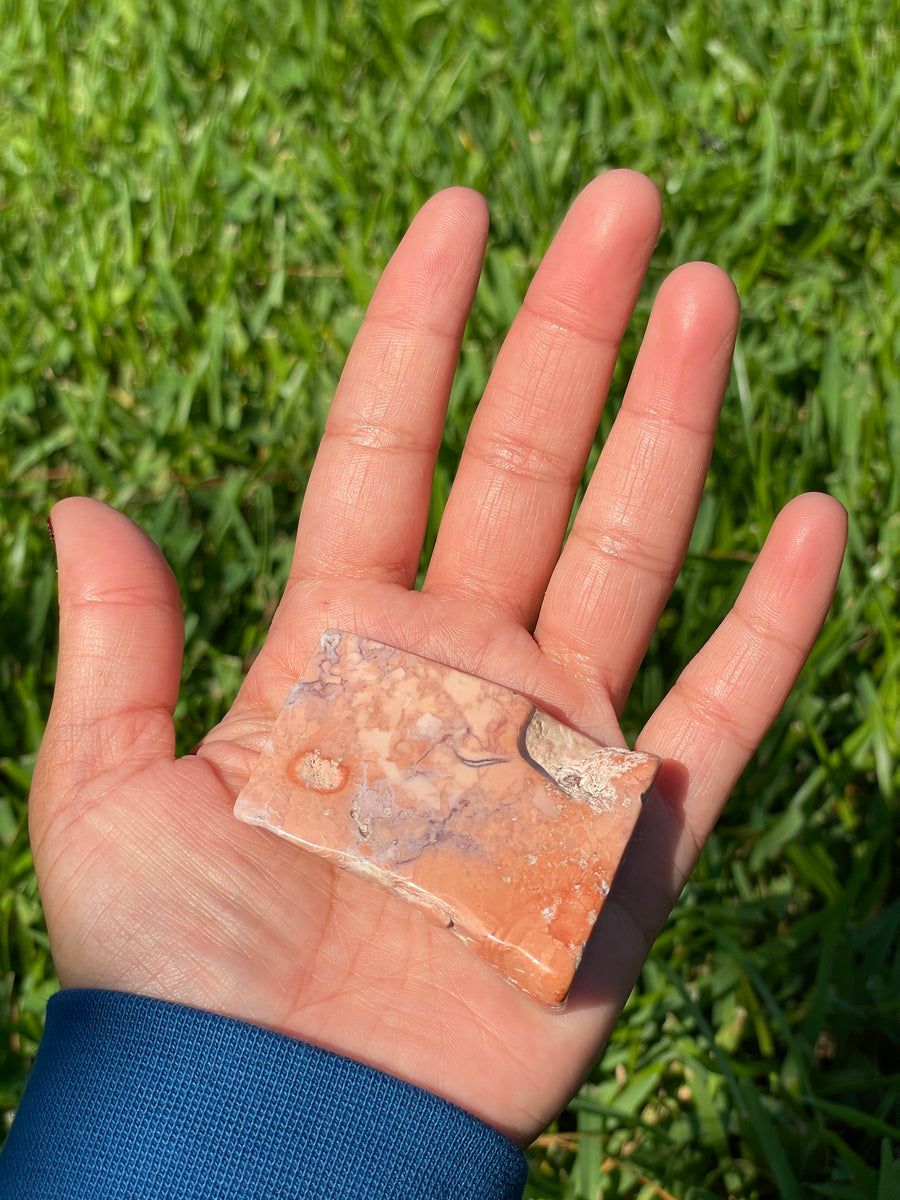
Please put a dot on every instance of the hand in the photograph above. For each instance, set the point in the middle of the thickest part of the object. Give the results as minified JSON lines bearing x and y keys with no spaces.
{"x":149,"y":883}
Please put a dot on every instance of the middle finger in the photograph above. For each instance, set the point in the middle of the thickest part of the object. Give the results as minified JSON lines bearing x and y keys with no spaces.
{"x":507,"y":513}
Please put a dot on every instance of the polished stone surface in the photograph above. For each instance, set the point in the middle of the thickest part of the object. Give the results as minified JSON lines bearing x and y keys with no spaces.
{"x":493,"y":818}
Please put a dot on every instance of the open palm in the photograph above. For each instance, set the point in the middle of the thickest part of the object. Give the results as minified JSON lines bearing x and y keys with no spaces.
{"x":149,"y":883}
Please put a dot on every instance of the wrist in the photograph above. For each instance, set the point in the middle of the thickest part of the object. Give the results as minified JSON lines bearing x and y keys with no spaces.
{"x":133,"y":1096}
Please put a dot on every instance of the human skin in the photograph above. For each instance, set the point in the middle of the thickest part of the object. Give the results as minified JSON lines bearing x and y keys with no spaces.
{"x":151,"y":886}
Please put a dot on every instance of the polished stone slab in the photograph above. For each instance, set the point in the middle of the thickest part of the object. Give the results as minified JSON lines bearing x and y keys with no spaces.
{"x":493,"y":818}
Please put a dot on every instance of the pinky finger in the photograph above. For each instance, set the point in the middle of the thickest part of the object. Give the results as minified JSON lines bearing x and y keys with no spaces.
{"x":709,"y":726}
{"x":727,"y":697}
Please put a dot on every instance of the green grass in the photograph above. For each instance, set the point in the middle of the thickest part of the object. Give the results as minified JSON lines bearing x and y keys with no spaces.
{"x":195,"y":202}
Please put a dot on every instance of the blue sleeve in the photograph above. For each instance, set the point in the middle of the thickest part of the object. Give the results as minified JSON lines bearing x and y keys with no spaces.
{"x":131,"y":1097}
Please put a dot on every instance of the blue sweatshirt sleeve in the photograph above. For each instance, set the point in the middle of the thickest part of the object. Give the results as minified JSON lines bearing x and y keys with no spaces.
{"x":140,"y":1099}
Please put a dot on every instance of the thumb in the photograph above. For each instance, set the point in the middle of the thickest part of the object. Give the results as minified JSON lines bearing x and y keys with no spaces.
{"x":120,"y":646}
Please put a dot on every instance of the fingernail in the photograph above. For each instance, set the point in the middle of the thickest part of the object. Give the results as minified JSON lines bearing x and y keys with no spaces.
{"x":50,"y":531}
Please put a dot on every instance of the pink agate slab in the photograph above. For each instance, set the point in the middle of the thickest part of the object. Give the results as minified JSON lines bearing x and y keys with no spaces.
{"x":493,"y":818}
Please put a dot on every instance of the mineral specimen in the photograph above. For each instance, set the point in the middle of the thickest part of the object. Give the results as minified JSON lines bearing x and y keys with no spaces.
{"x":490,"y":816}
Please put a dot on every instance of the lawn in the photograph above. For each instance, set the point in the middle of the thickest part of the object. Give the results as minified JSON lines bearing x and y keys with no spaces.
{"x":195,"y":203}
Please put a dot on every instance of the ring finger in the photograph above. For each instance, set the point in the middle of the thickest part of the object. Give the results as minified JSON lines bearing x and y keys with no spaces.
{"x":632,"y":530}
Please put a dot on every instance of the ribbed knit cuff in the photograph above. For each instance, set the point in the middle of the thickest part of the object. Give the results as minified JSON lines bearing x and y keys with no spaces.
{"x":137,"y":1099}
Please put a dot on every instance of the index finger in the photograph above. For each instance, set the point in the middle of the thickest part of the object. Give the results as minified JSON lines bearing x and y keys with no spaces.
{"x":366,"y":506}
